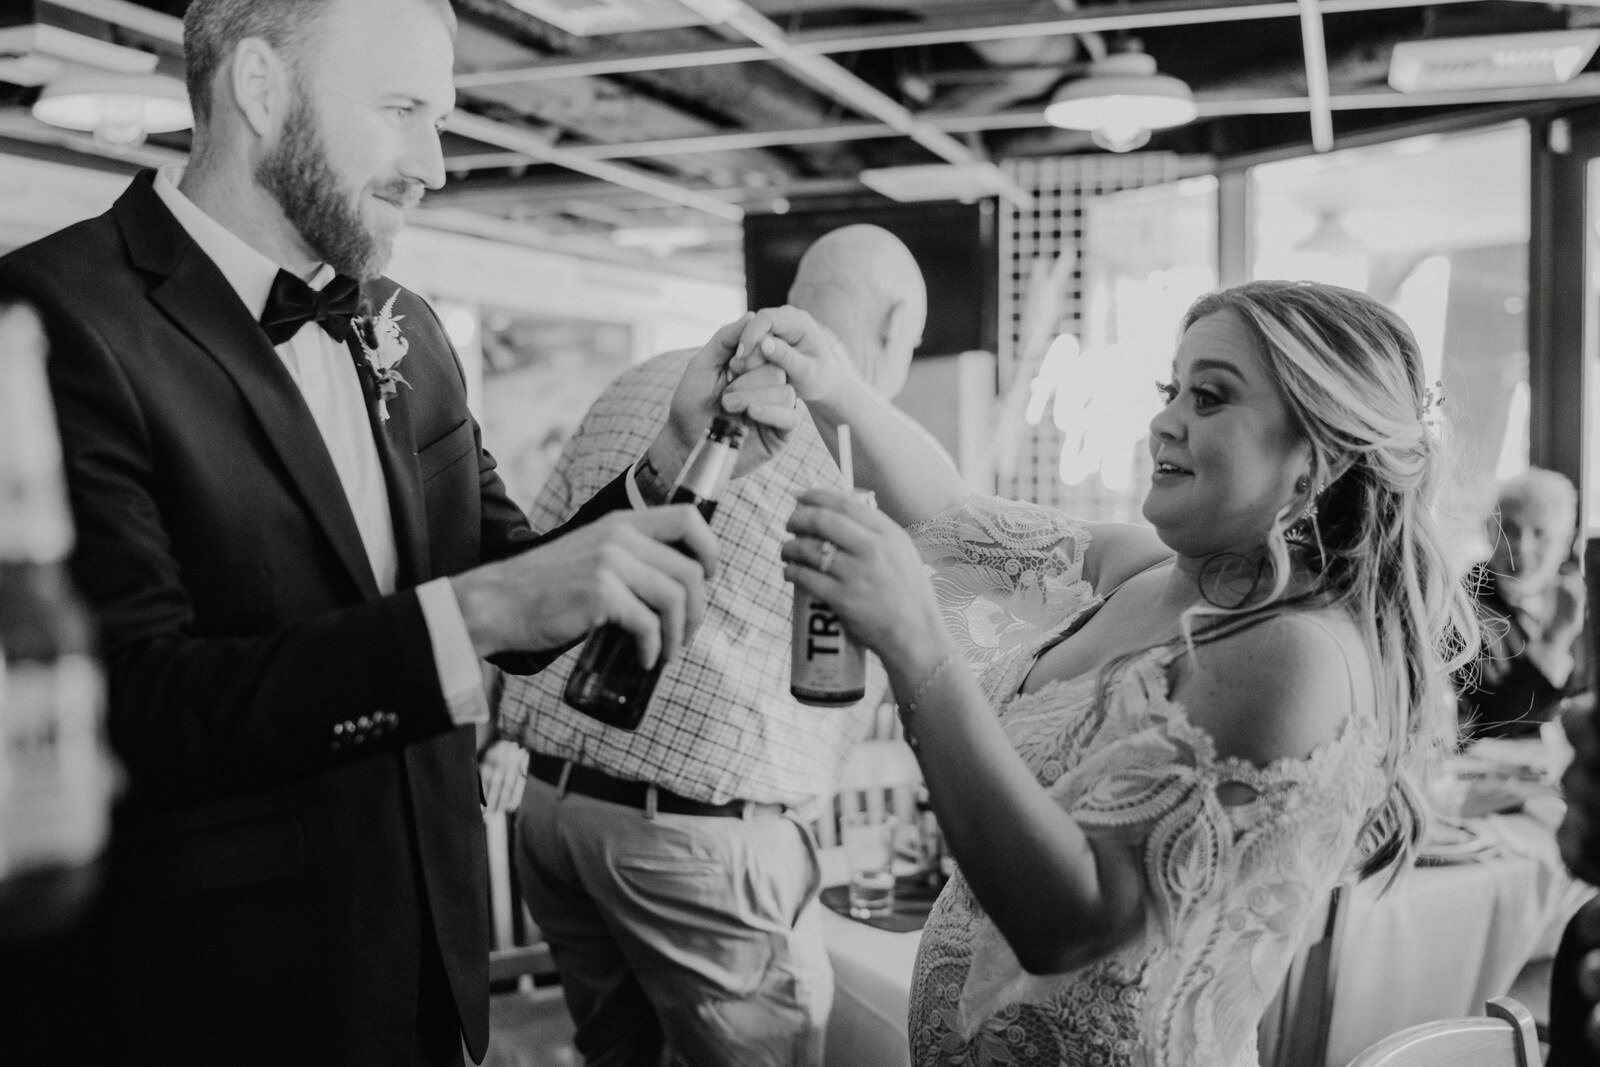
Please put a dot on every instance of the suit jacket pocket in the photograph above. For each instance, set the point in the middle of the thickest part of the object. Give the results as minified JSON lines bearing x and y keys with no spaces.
{"x":446,"y":450}
{"x":223,"y":857}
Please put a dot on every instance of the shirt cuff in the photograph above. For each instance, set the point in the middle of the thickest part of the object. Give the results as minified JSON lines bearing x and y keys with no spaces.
{"x":460,"y":679}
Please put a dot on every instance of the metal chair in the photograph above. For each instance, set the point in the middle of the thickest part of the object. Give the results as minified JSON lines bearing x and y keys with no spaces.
{"x":1294,"y":1029}
{"x":1505,"y":1037}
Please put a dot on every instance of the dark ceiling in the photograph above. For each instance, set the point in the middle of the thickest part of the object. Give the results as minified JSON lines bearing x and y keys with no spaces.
{"x":664,"y":135}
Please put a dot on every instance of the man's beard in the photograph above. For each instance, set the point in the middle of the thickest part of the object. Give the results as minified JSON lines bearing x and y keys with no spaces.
{"x":298,"y":175}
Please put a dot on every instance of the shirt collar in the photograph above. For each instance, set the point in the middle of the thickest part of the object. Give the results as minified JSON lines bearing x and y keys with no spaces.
{"x":248,"y":271}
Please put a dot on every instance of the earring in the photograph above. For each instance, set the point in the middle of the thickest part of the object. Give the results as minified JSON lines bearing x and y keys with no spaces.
{"x":1303,"y":530}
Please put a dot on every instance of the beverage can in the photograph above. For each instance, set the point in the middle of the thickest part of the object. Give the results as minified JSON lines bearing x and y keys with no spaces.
{"x":826,"y":667}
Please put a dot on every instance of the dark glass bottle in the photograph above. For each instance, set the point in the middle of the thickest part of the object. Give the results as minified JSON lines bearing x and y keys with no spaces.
{"x":608,"y":682}
{"x":56,"y":778}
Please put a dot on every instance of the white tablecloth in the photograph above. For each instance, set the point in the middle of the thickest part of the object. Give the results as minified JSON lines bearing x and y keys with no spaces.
{"x":1448,"y":938}
{"x":871,"y":990}
{"x":1439,"y":944}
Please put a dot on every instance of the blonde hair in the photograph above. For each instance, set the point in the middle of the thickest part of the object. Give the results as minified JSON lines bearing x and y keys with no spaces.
{"x":1351,"y":375}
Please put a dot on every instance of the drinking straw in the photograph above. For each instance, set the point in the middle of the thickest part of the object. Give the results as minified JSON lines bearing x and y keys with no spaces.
{"x":845,"y":467}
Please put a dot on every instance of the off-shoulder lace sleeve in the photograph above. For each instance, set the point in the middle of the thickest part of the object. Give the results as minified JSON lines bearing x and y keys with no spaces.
{"x":1005,"y":572}
{"x":1228,"y":887}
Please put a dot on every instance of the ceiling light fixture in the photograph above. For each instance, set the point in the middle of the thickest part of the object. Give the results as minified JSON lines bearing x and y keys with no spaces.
{"x":119,"y":109}
{"x":661,"y":241}
{"x":1120,"y":101}
{"x":934,"y":181}
{"x":1491,"y":61}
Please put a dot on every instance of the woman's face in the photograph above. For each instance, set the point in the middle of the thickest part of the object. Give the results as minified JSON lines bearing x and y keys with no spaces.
{"x":1226,"y":452}
{"x":1530,"y":545}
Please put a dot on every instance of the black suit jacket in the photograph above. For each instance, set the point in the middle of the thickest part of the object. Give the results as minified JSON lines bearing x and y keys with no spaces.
{"x":301,"y":817}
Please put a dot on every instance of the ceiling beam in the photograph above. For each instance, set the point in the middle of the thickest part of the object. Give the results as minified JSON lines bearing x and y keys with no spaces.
{"x":19,"y":126}
{"x":153,"y":24}
{"x":1316,"y":53}
{"x":504,"y":135}
{"x":1102,"y":18}
{"x":1211,"y":104}
{"x":851,"y":90}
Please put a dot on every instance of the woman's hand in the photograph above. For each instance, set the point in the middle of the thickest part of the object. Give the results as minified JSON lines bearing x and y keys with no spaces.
{"x":711,"y":385}
{"x":855,"y":558}
{"x":815,"y":363}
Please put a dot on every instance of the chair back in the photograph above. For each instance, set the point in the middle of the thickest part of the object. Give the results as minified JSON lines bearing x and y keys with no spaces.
{"x":1294,"y":1028}
{"x":1505,"y":1037}
{"x":517,"y":947}
{"x":880,"y":776}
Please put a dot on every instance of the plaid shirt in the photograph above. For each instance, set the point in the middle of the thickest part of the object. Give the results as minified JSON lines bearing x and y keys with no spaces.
{"x":722,"y":725}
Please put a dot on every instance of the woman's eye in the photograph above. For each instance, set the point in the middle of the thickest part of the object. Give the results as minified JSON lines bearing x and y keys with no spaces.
{"x":1204,"y":398}
{"x":1168,"y":391}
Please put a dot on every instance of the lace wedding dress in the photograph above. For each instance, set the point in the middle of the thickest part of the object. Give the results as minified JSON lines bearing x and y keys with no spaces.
{"x":1228,"y":887}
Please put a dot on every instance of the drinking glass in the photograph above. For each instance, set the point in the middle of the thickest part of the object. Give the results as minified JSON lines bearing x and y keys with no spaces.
{"x":868,"y":839}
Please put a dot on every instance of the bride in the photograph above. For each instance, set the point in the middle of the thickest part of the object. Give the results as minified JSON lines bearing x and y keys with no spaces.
{"x":1153,"y":752}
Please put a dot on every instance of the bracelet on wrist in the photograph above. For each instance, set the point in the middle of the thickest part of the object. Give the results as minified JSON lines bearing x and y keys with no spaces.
{"x":908,"y":710}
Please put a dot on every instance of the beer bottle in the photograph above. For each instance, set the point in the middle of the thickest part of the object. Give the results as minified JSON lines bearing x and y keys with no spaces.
{"x":608,"y":682}
{"x":56,"y":778}
{"x":826,"y":667}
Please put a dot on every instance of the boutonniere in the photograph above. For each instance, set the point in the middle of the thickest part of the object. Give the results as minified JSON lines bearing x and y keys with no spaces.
{"x":384,"y":346}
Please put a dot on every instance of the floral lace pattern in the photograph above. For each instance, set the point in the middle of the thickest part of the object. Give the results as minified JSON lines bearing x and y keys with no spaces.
{"x":1229,"y":887}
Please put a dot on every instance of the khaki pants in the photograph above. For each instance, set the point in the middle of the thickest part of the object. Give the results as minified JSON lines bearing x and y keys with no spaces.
{"x":681,"y":939}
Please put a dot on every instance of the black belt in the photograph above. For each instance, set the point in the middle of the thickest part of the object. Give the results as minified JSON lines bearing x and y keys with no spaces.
{"x":589,"y":782}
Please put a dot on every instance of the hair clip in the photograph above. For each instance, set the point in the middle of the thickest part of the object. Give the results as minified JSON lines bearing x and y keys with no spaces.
{"x":1432,"y":402}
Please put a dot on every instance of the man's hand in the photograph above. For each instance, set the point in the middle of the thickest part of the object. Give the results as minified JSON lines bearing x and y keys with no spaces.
{"x":709,"y":386}
{"x":643,"y":570}
{"x":501,"y":769}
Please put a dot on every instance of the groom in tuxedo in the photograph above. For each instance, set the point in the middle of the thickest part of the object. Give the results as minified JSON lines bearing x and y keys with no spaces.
{"x":298,"y":549}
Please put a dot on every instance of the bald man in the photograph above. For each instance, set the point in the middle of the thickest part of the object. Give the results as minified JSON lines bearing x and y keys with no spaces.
{"x":669,"y":868}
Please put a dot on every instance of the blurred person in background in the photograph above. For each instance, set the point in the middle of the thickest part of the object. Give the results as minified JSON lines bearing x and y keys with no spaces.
{"x":1154,"y":752}
{"x":679,"y":927}
{"x":1530,"y":600}
{"x":297,"y":550}
{"x":1575,"y":975}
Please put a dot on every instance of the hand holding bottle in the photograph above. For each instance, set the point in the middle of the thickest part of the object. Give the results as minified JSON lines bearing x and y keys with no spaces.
{"x":812,"y":360}
{"x":614,"y":677}
{"x":711,"y":386}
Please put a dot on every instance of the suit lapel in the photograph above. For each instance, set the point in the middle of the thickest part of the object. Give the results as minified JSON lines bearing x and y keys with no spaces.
{"x":193,"y":293}
{"x":397,"y":451}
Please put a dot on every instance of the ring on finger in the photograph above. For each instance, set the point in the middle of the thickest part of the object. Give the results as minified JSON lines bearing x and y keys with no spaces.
{"x":825,"y":556}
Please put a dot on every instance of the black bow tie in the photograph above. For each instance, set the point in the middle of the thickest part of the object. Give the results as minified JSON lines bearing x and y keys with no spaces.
{"x":292,"y":303}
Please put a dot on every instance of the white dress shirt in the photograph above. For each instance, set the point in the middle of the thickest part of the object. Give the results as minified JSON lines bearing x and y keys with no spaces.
{"x":328,"y":381}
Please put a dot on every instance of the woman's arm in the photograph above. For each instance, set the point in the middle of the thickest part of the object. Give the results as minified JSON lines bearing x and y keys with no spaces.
{"x":1016,"y":845}
{"x":1060,"y":897}
{"x":893,"y":456}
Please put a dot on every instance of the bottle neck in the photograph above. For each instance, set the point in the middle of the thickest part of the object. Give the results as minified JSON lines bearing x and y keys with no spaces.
{"x":706,"y":473}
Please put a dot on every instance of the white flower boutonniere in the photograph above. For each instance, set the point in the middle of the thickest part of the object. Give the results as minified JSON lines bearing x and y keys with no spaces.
{"x":384,"y":346}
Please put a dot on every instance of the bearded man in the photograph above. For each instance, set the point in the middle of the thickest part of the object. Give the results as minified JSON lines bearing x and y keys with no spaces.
{"x":298,"y":549}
